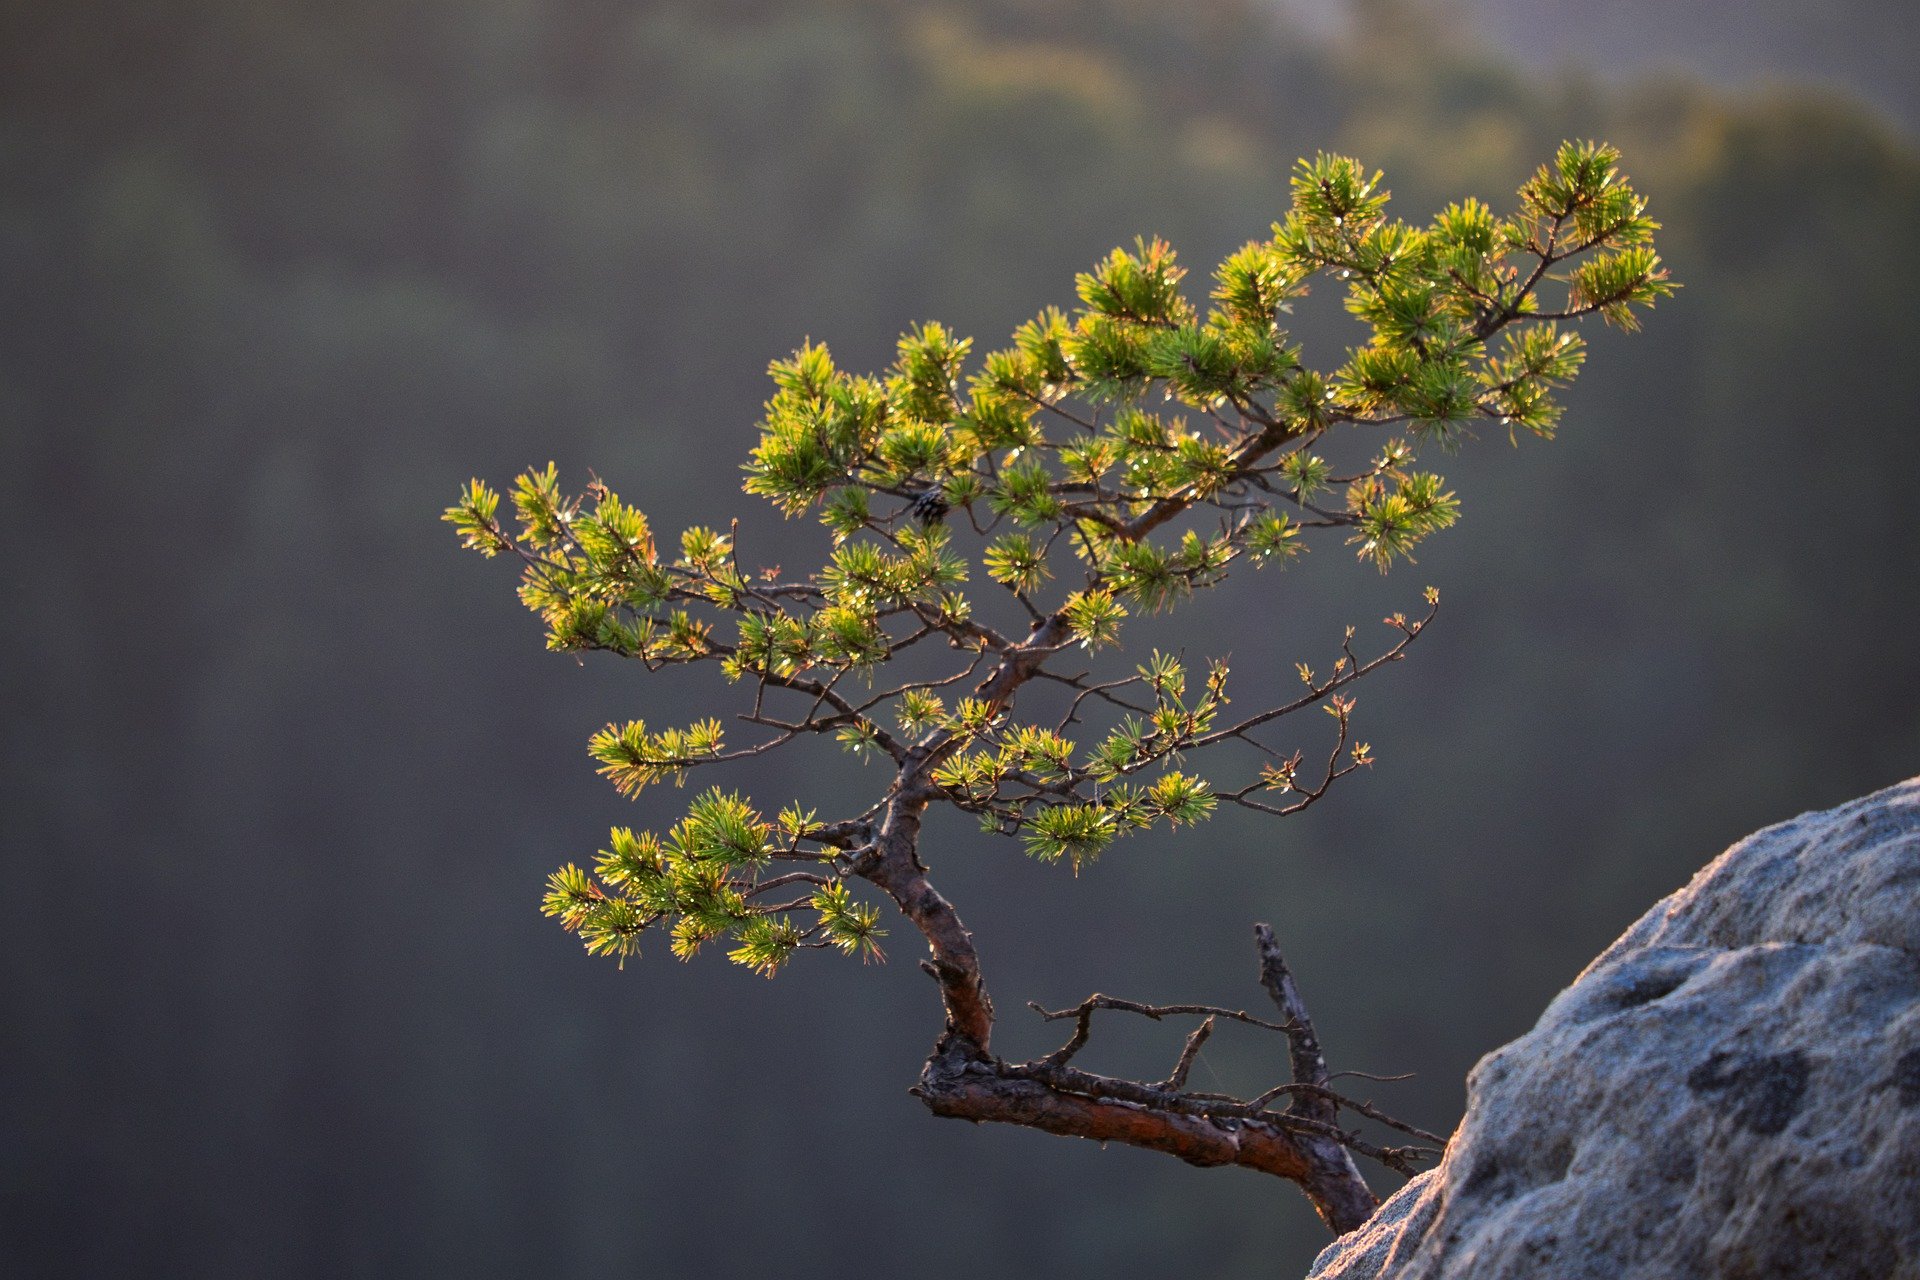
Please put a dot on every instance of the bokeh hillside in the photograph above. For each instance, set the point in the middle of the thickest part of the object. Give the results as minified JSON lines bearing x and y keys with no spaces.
{"x":284,"y":771}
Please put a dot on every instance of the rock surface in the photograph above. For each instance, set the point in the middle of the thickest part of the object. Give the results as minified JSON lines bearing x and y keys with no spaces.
{"x":1730,"y":1092}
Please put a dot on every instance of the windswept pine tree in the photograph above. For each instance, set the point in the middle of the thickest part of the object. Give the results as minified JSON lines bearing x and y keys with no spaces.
{"x":1108,"y":463}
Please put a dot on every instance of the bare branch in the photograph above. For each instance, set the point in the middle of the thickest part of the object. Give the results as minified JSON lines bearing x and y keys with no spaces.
{"x":1154,"y":1011}
{"x":1188,"y":1053}
{"x":1346,"y":676}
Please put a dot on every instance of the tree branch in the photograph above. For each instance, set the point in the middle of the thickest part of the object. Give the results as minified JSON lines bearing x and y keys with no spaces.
{"x":1303,"y":1142}
{"x":1333,"y":1170}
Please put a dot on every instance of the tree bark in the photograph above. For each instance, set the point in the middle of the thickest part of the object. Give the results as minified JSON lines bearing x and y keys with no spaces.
{"x":963,"y":1080}
{"x":1303,"y":1144}
{"x":1343,"y":1195}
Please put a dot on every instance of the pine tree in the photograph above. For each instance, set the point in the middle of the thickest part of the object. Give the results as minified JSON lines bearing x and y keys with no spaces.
{"x":1109,"y":462}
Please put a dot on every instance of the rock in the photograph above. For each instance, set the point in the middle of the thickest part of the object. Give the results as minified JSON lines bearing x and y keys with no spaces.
{"x":1731,"y":1091}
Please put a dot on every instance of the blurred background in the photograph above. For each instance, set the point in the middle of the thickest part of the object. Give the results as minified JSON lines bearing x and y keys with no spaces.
{"x":284,"y":770}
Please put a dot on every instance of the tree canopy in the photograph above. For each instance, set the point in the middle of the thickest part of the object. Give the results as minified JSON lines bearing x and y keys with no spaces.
{"x":1138,"y":450}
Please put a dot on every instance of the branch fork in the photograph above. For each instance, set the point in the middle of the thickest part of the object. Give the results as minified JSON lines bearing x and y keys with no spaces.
{"x":1303,"y":1141}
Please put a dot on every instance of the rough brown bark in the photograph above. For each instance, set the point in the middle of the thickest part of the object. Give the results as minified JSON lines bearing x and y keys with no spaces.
{"x":963,"y":1079}
{"x":955,"y":965}
{"x":1339,"y":1192}
{"x":982,"y":1089}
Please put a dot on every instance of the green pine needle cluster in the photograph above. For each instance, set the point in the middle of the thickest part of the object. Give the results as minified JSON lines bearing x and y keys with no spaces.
{"x":1110,"y":460}
{"x":705,"y":881}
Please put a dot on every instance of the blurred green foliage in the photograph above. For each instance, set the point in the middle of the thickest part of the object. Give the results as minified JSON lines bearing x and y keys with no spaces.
{"x":273,"y":271}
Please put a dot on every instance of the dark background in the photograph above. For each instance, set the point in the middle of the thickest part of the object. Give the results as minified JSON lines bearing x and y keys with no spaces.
{"x":283,"y":770}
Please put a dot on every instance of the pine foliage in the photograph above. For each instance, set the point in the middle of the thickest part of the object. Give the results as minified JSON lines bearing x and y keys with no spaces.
{"x":1108,"y":462}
